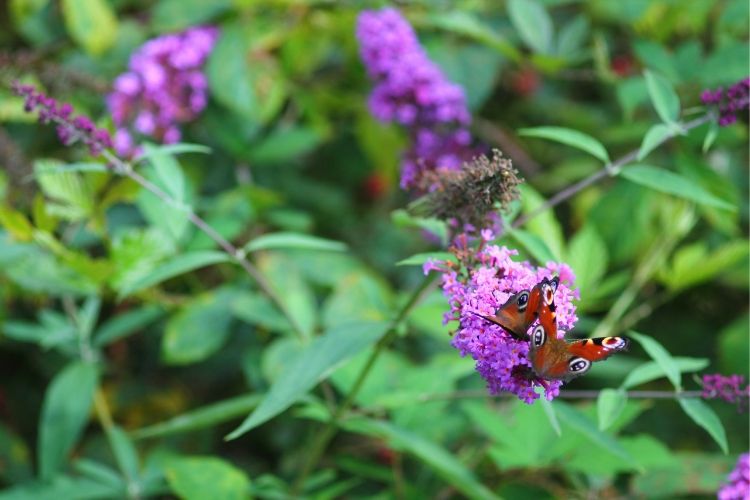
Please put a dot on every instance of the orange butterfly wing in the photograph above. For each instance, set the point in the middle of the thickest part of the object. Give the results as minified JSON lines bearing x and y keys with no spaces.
{"x":554,"y":358}
{"x":517,"y":314}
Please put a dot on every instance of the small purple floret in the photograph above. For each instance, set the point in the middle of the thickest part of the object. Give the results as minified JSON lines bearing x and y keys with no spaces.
{"x":729,"y":103}
{"x":738,"y":487}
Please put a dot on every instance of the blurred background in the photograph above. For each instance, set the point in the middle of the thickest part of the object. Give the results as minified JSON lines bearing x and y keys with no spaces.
{"x":295,"y":149}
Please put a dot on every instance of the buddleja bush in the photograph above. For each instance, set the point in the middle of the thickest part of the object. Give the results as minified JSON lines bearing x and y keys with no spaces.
{"x":258,"y":268}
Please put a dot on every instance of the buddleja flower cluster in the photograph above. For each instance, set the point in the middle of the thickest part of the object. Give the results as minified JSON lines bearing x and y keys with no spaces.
{"x":482,"y":281}
{"x":738,"y":487}
{"x":69,"y":128}
{"x":412,"y":91}
{"x":163,"y":87}
{"x":731,"y":389}
{"x":731,"y":102}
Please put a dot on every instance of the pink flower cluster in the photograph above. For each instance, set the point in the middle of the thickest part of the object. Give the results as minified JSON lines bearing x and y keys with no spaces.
{"x":483,"y":286}
{"x":738,"y":487}
{"x":163,"y":87}
{"x":731,"y":102}
{"x":731,"y":389}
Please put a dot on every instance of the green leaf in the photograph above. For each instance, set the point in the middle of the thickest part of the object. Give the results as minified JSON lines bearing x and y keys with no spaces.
{"x":168,"y":171}
{"x":703,"y":415}
{"x":467,"y":25}
{"x":313,"y":364}
{"x":662,"y":357}
{"x":693,"y":264}
{"x":587,"y":428}
{"x":402,"y":218}
{"x":293,"y":240}
{"x":293,"y":291}
{"x":229,"y":73}
{"x":91,"y":23}
{"x":533,"y":24}
{"x":176,"y":15}
{"x":126,"y":324}
{"x":587,"y":255}
{"x":71,"y":191}
{"x":419,"y":259}
{"x":125,"y":453}
{"x":441,"y":461}
{"x":535,"y":245}
{"x":653,"y":138}
{"x":711,"y":134}
{"x":65,"y":411}
{"x":198,"y":330}
{"x":572,"y":38}
{"x":674,"y":184}
{"x":197,"y":478}
{"x":175,"y":266}
{"x":257,"y":309}
{"x":153,"y":150}
{"x":609,"y":405}
{"x":284,"y":144}
{"x":571,"y":137}
{"x":54,"y":168}
{"x":651,"y":370}
{"x":545,"y":225}
{"x":663,"y":97}
{"x":201,"y":418}
{"x":359,"y":295}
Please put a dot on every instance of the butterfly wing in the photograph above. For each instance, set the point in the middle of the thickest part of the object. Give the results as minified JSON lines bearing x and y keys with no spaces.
{"x":517,"y":314}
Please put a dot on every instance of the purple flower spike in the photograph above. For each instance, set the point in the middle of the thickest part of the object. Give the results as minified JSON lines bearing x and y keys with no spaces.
{"x":731,"y":389}
{"x":163,"y":87}
{"x":730,"y":103}
{"x":69,"y":129}
{"x":412,"y":91}
{"x":738,"y":487}
{"x":485,"y":279}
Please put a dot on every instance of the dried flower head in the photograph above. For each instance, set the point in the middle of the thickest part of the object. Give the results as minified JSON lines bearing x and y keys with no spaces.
{"x":484,"y":278}
{"x":69,"y":128}
{"x":470,"y":194}
{"x":731,"y":102}
{"x":731,"y":389}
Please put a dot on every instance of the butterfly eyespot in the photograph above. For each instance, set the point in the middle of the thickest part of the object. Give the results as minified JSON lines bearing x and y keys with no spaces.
{"x":539,"y":336}
{"x":578,"y":365}
{"x":523,"y":301}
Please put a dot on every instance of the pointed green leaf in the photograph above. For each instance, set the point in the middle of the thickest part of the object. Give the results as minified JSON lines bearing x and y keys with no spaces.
{"x":175,"y":266}
{"x":170,"y":150}
{"x":126,"y":323}
{"x":65,"y":411}
{"x":609,"y":405}
{"x":313,"y":364}
{"x":672,"y":183}
{"x":198,"y":478}
{"x":293,"y":240}
{"x":125,"y":453}
{"x":653,"y":138}
{"x":703,"y":415}
{"x":201,"y":418}
{"x":441,"y":461}
{"x":661,"y":356}
{"x":571,"y":137}
{"x":663,"y":97}
{"x":587,"y":428}
{"x":713,"y":132}
{"x":91,"y":23}
{"x":533,"y":24}
{"x":651,"y":370}
{"x":534,"y":245}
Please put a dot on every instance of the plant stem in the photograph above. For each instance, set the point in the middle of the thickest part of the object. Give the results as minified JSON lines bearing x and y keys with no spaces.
{"x":318,"y":446}
{"x":566,"y":394}
{"x":125,"y":169}
{"x":609,"y":170}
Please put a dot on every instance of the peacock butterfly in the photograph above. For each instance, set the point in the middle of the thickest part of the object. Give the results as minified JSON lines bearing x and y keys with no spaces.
{"x":558,"y":359}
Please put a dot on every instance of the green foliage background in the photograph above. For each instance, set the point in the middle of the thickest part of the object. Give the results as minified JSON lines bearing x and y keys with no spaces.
{"x":132,"y":346}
